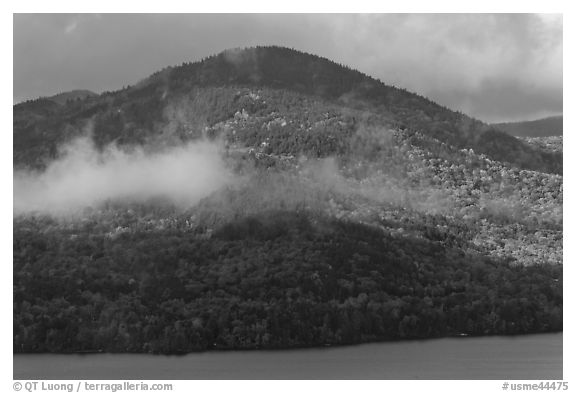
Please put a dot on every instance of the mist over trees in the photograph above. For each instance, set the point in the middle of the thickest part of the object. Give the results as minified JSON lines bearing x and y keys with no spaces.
{"x":268,"y":198}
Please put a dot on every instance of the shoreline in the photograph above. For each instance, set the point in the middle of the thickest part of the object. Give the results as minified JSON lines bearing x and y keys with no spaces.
{"x":292,"y":348}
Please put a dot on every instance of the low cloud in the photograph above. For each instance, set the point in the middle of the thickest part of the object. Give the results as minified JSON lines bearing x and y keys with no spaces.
{"x":85,"y":177}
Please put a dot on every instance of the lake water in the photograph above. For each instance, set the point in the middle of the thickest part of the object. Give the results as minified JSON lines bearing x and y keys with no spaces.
{"x":536,"y":356}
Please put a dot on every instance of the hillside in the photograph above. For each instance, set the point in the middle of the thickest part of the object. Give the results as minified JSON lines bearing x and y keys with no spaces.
{"x":336,"y":210}
{"x":135,"y":115}
{"x":547,"y":127}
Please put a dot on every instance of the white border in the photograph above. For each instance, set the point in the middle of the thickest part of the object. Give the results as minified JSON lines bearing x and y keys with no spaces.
{"x":300,"y":6}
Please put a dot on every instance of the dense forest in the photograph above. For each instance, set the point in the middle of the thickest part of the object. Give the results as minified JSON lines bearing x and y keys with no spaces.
{"x":275,"y":280}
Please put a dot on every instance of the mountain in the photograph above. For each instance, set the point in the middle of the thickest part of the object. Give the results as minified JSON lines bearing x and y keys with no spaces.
{"x":336,"y":210}
{"x":548,"y":126}
{"x":136,"y":115}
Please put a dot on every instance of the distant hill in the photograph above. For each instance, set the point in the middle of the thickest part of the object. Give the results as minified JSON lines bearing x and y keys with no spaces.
{"x":548,"y":126}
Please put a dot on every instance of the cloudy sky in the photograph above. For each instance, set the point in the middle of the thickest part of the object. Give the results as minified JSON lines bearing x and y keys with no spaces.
{"x":494,"y":67}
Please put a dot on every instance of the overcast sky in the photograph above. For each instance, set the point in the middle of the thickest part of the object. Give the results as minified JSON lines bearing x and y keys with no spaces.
{"x":494,"y":67}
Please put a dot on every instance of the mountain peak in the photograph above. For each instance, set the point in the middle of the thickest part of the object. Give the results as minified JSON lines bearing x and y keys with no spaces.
{"x":135,"y":114}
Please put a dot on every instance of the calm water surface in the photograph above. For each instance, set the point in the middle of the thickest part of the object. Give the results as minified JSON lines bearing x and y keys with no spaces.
{"x":536,"y":356}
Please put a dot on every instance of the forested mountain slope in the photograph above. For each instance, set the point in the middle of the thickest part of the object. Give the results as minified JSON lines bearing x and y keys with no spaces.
{"x":137,"y":114}
{"x":339,"y":210}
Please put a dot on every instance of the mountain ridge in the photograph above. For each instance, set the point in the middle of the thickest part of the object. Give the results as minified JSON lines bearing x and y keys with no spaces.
{"x":544,"y":127}
{"x":284,"y":69}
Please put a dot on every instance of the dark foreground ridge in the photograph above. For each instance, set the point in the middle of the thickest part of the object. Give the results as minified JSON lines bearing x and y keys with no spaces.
{"x":276,"y":280}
